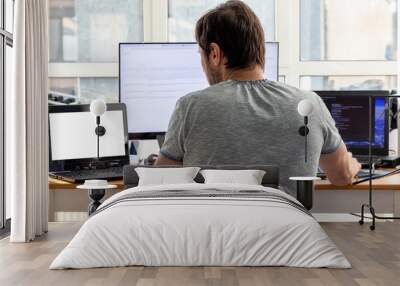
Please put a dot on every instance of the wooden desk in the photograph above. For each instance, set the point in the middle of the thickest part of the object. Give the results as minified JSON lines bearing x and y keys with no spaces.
{"x":347,"y":199}
{"x":55,"y":184}
{"x":328,"y":198}
{"x":64,"y":197}
{"x":388,"y":183}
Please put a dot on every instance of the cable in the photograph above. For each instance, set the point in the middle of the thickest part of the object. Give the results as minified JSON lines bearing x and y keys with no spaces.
{"x":377,"y":177}
{"x":360,"y":215}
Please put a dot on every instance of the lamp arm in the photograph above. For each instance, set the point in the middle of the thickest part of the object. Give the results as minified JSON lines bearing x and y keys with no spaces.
{"x":98,"y":137}
{"x":305,"y":138}
{"x":98,"y":147}
{"x":305,"y":148}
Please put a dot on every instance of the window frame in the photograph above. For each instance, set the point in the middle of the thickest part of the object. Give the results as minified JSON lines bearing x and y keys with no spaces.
{"x":291,"y":66}
{"x":166,"y":38}
{"x":6,"y":39}
{"x":391,"y":83}
{"x":287,"y":33}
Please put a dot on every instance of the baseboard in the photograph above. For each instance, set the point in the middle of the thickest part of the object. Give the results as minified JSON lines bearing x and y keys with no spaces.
{"x":70,"y":216}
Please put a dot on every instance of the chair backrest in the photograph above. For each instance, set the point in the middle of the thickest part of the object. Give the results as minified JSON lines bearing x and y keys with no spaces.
{"x":270,"y":179}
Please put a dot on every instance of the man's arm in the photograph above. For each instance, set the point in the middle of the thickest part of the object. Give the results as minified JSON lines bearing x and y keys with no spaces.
{"x":162,"y":160}
{"x":172,"y":150}
{"x":340,"y":167}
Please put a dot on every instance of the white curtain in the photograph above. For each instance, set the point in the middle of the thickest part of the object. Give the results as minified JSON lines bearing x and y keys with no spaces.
{"x":27,"y":122}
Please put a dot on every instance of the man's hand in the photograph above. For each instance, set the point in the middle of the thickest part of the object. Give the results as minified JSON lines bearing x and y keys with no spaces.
{"x":354,"y":165}
{"x":340,"y":167}
{"x":162,"y":160}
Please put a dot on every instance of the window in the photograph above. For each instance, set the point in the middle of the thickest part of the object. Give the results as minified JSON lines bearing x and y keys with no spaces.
{"x":348,"y":82}
{"x":324,"y":44}
{"x":183,"y":14}
{"x":89,"y":31}
{"x":82,"y":90}
{"x":63,"y":91}
{"x":9,"y":13}
{"x":99,"y":87}
{"x":8,"y":90}
{"x":6,"y":43}
{"x":84,"y":37}
{"x":83,"y":43}
{"x":348,"y":30}
{"x":338,"y":44}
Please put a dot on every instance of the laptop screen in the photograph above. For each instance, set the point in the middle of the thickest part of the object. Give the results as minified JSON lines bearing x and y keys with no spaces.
{"x":73,"y":135}
{"x":73,"y":138}
{"x":350,"y":110}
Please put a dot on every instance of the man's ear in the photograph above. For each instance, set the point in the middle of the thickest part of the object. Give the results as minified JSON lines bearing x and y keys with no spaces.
{"x":216,"y":56}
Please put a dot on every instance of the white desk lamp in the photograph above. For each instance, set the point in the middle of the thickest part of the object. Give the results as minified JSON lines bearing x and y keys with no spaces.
{"x":305,"y":108}
{"x":305,"y":185}
{"x":98,"y":107}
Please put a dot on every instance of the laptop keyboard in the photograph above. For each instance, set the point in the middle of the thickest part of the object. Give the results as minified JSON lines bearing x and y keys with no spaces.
{"x":82,"y":175}
{"x":364,"y":159}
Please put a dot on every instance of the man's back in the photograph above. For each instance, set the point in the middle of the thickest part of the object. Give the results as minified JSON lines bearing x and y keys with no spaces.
{"x":250,"y":122}
{"x":243,"y":119}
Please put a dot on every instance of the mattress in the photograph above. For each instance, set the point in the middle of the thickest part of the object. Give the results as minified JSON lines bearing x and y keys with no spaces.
{"x":201,"y":225}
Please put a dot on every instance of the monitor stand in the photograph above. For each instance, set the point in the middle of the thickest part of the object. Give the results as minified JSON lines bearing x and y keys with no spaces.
{"x":160,"y":139}
{"x":98,"y":165}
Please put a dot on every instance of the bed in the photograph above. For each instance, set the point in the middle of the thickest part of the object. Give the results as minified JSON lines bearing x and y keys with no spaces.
{"x":198,"y":224}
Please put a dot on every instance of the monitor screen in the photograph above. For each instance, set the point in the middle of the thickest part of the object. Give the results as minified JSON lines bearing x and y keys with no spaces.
{"x":72,"y":135}
{"x":350,"y":110}
{"x":154,"y":76}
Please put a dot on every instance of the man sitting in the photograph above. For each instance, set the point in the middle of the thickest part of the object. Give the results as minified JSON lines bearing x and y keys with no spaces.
{"x":244,"y":119}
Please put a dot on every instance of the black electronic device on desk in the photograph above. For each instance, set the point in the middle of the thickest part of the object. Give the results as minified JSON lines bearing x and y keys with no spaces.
{"x":361,"y":175}
{"x":350,"y":110}
{"x":73,"y":143}
{"x":376,"y":102}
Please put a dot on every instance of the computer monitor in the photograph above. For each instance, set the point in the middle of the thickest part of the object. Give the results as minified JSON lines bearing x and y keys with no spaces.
{"x":73,"y":141}
{"x":350,"y":110}
{"x":153,"y":76}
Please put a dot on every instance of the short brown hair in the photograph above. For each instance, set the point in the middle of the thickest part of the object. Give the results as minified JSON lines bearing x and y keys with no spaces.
{"x":236,"y":30}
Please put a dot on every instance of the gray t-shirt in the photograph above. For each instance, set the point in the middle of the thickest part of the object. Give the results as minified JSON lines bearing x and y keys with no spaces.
{"x":247,"y":123}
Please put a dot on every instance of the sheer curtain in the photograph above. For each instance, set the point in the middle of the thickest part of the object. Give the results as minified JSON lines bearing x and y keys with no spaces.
{"x":26,"y":124}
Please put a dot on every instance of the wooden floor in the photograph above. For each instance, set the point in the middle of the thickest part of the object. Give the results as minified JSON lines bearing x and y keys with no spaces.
{"x":375,"y":257}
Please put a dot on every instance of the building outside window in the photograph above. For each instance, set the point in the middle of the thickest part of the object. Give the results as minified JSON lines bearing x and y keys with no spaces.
{"x":335,"y":31}
{"x":84,"y":36}
{"x":183,"y":14}
{"x":324,"y":44}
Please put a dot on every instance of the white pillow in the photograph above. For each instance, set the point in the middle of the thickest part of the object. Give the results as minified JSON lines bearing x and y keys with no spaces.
{"x":248,"y":177}
{"x":166,"y":176}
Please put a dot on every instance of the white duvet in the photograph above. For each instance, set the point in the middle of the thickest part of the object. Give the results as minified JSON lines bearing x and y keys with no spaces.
{"x":200,"y":231}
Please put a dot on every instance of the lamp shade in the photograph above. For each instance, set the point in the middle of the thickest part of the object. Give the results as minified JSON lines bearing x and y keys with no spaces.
{"x":305,"y":107}
{"x":98,"y":107}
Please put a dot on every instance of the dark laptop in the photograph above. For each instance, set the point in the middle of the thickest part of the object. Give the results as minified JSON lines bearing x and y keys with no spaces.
{"x":73,"y":143}
{"x":350,"y":110}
